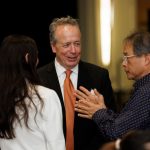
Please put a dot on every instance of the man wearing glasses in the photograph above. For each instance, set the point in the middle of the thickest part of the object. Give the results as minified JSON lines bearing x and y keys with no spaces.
{"x":136,"y":113}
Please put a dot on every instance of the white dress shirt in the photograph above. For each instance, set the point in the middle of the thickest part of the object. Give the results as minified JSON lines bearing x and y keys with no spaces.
{"x":60,"y":70}
{"x":44,"y":134}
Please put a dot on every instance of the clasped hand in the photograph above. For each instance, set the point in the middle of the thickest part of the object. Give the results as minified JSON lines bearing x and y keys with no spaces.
{"x":88,"y":102}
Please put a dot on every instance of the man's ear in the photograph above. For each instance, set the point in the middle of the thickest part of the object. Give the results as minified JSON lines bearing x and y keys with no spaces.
{"x":27,"y":57}
{"x":147,"y":59}
{"x":53,"y":47}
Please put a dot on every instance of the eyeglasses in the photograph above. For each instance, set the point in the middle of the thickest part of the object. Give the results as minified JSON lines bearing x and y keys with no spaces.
{"x":125,"y":58}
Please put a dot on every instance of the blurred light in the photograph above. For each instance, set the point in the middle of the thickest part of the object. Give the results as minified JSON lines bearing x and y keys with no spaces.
{"x":105,"y":27}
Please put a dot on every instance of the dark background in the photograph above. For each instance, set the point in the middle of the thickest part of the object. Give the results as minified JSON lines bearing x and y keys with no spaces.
{"x":33,"y":19}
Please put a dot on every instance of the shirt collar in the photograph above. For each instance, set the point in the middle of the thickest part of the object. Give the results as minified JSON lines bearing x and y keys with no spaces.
{"x":144,"y":80}
{"x":60,"y":69}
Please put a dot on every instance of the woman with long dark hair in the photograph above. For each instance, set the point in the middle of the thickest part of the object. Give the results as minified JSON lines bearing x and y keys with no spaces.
{"x":30,"y":114}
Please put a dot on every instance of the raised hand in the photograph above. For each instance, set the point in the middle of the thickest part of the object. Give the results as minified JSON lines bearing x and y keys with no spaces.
{"x":88,"y":103}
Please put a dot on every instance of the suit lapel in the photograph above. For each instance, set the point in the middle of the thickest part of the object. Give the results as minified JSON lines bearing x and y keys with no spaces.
{"x":53,"y":80}
{"x":84,"y":78}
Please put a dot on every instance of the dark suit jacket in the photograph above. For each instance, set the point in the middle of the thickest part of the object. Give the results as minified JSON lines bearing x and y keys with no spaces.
{"x":86,"y":134}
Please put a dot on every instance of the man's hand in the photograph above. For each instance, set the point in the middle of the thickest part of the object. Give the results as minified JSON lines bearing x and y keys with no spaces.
{"x":88,"y":102}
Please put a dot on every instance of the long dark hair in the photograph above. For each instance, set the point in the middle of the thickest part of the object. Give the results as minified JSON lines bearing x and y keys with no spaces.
{"x":18,"y":60}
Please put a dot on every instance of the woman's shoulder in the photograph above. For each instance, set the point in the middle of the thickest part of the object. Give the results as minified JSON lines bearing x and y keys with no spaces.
{"x":50,"y":98}
{"x":42,"y":90}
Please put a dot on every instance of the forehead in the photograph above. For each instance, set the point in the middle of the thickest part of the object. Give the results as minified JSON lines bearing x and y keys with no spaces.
{"x":128,"y":48}
{"x":67,"y":33}
{"x":60,"y":29}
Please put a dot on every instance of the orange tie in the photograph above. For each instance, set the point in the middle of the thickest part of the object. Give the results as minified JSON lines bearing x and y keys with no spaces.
{"x":69,"y":105}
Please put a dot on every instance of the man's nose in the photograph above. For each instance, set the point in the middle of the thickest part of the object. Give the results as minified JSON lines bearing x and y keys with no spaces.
{"x":73,"y":48}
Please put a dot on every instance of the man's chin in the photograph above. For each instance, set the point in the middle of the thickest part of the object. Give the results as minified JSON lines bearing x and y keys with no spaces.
{"x":72,"y":63}
{"x":130,"y":77}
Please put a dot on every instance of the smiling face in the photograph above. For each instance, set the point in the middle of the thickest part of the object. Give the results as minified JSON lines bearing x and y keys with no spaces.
{"x":67,"y":46}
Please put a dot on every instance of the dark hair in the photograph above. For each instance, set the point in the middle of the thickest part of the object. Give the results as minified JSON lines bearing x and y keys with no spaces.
{"x":135,"y":140}
{"x":140,"y":41}
{"x":58,"y":22}
{"x":18,"y":60}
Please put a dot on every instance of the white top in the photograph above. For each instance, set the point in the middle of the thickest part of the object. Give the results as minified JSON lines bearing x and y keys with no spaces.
{"x":44,"y":134}
{"x":60,"y":70}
